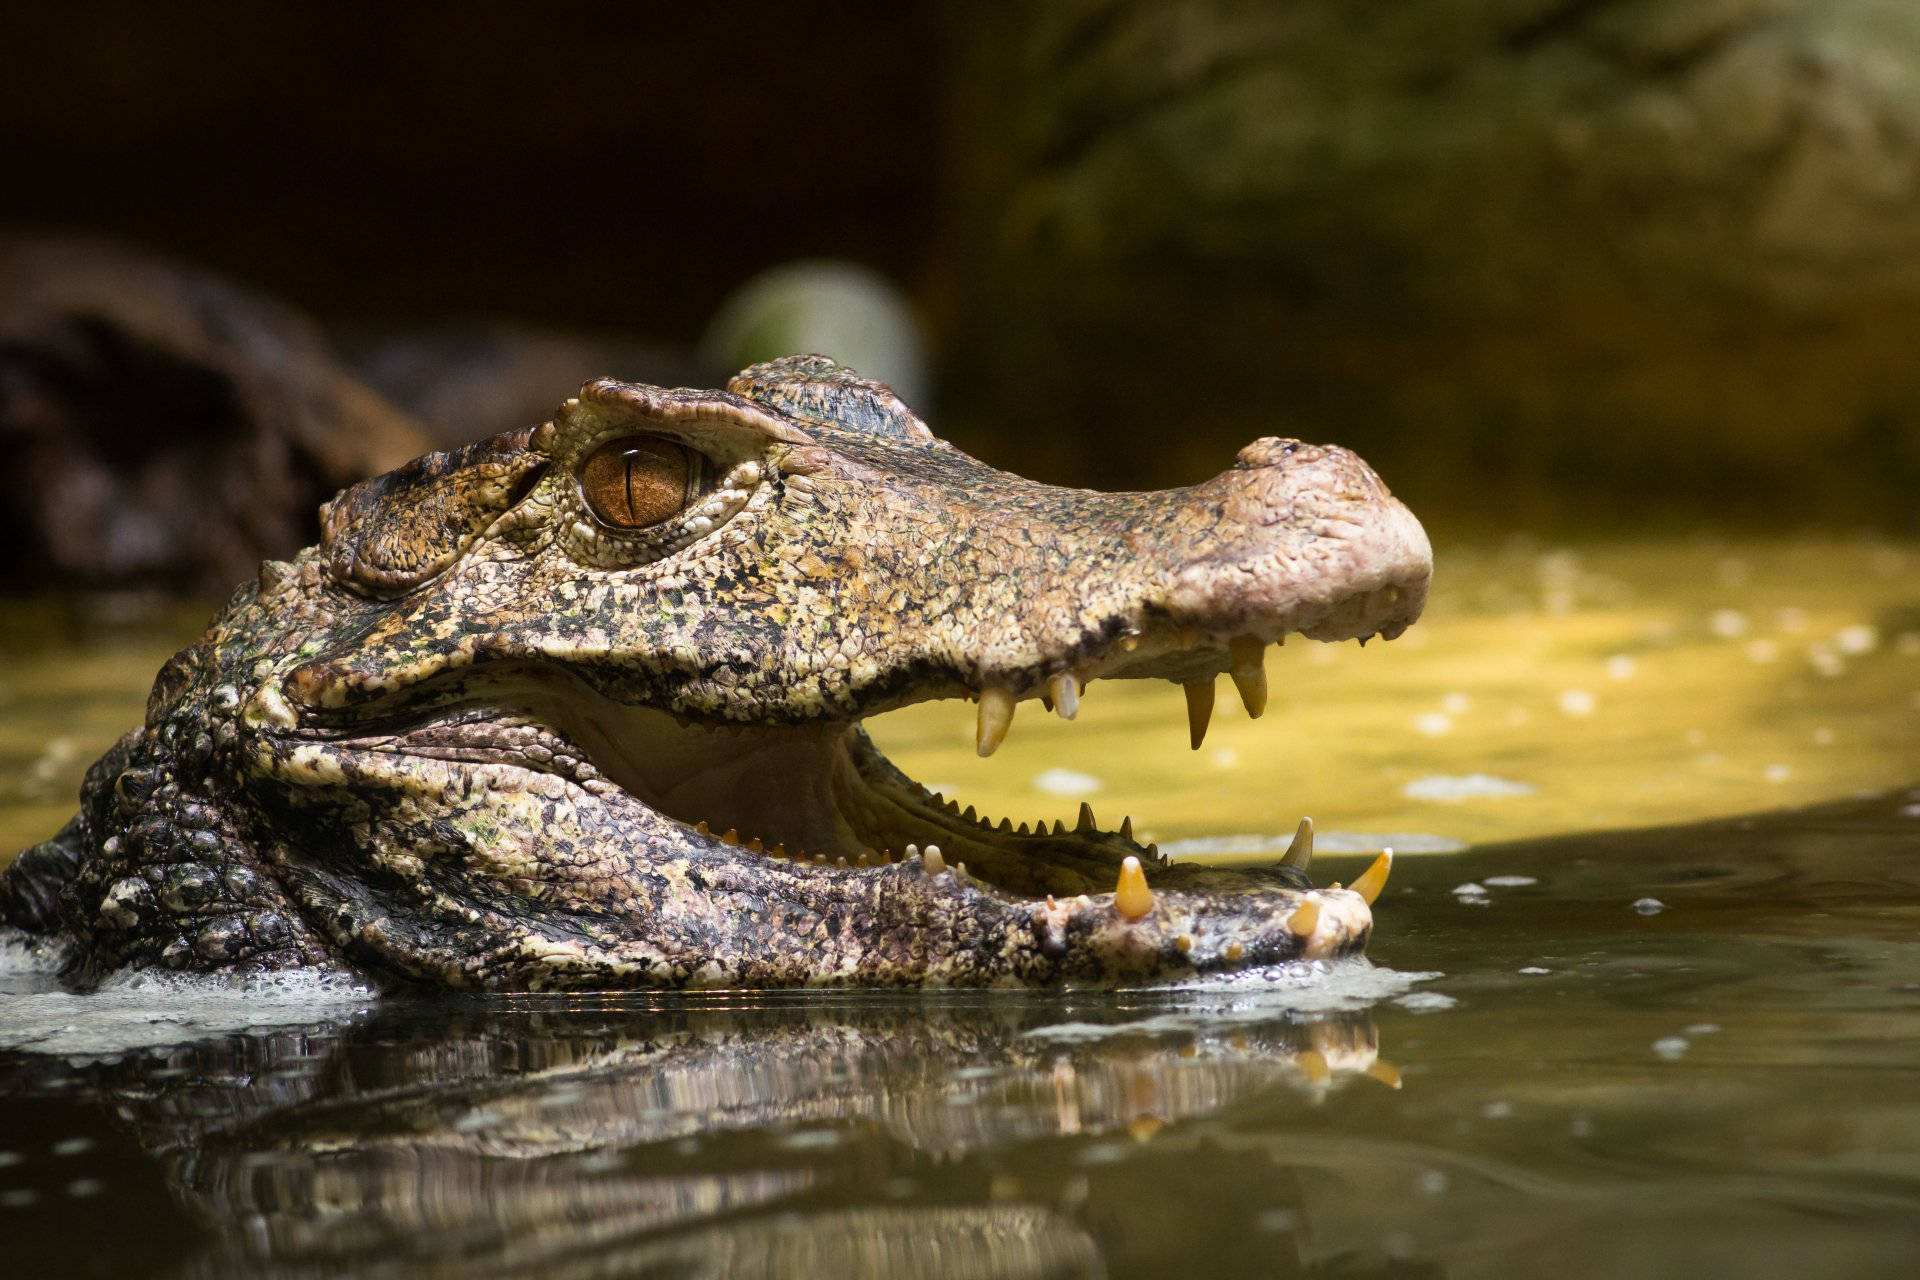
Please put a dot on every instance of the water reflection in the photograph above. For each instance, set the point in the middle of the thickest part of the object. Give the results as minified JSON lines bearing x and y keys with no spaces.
{"x":960,"y":1136}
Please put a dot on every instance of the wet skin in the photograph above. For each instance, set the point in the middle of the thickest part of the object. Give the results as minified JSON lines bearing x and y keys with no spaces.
{"x":579,"y":706}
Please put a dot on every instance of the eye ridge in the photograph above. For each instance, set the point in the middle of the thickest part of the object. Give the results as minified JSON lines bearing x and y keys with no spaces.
{"x":635,"y":482}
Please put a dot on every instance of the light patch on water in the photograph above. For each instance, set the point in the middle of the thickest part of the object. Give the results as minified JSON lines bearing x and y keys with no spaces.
{"x":1577,"y":702}
{"x":1454,"y":788}
{"x":1510,"y":882}
{"x":1425,"y":1002}
{"x":1777,"y":773}
{"x":1621,"y":667}
{"x":1066,"y":782}
{"x":146,"y":1009}
{"x":1856,"y":640}
{"x":1670,"y":1048}
{"x":1763,"y":651}
{"x":1433,"y":724}
{"x":1728,"y":624}
{"x":1323,"y":842}
{"x":1649,"y":906}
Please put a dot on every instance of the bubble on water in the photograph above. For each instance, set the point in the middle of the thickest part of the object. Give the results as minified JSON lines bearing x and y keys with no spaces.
{"x":1670,"y":1048}
{"x":1497,"y":1110}
{"x":1431,"y":1183}
{"x":1454,"y":788}
{"x":1535,"y":969}
{"x":1649,"y":906}
{"x":1857,"y":639}
{"x":1910,"y":810}
{"x":1225,"y":758}
{"x":1469,"y":890}
{"x":1621,"y":667}
{"x":1763,"y":651}
{"x":1433,"y":724}
{"x":1577,"y":702}
{"x":1728,"y":624}
{"x":80,"y":1188}
{"x":1510,"y":882}
{"x":20,"y":1199}
{"x":1703,"y":1029}
{"x":1066,"y":782}
{"x":10,"y":1158}
{"x":73,"y":1146}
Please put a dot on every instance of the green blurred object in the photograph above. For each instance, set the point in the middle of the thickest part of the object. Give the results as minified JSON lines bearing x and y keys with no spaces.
{"x":839,"y":309}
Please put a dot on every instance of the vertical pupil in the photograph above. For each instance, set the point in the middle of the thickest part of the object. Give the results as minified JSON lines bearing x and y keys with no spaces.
{"x":629,"y":459}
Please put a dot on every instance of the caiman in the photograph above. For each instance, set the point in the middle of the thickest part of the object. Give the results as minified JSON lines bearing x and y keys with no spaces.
{"x":579,"y":706}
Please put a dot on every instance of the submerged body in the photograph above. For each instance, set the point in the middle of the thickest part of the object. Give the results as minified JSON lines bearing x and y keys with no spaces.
{"x":579,"y":706}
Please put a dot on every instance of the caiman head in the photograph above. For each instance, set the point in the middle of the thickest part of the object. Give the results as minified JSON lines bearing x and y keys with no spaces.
{"x":581,"y":705}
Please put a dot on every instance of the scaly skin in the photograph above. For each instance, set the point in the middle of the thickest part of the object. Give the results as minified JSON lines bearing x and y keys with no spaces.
{"x":480,"y":737}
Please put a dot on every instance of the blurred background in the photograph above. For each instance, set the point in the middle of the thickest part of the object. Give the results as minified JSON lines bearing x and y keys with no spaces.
{"x":1552,"y":264}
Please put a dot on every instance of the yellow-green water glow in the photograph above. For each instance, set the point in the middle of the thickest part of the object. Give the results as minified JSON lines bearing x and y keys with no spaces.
{"x":1572,"y":688}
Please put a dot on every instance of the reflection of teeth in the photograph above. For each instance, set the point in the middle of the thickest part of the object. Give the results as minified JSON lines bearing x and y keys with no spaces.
{"x":1374,"y":878}
{"x":1086,"y":822}
{"x":1300,"y":852}
{"x":996,"y":714}
{"x":1199,"y":711}
{"x":1131,"y":897}
{"x":1248,"y":657}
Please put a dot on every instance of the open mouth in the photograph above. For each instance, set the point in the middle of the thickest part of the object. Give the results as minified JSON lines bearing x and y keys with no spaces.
{"x":820,"y":799}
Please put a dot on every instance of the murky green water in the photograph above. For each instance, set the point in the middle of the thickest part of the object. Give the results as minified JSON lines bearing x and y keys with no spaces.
{"x":1690,"y":1049}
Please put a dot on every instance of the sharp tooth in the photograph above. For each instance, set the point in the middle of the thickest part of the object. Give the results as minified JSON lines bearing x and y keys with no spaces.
{"x":754,"y":845}
{"x":1199,"y":711}
{"x":1126,"y":828}
{"x":996,"y":714}
{"x":1233,"y":953}
{"x":1051,"y":904}
{"x":1065,"y":689}
{"x":1184,"y":943}
{"x":1131,"y":897}
{"x":730,"y":836}
{"x":1374,"y":878}
{"x":1300,"y":852}
{"x":702,"y":827}
{"x":780,"y":850}
{"x":1250,"y":673}
{"x":1086,"y":822}
{"x":934,"y":863}
{"x":960,"y":872}
{"x":840,"y":861}
{"x":1129,"y":643}
{"x":1046,"y":701}
{"x":1305,"y":919}
{"x":860,"y":861}
{"x":913,"y":851}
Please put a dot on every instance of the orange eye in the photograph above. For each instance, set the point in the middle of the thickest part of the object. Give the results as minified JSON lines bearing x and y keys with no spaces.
{"x":637,"y":481}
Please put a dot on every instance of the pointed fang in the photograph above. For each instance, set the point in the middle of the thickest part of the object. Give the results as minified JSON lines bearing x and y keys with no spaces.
{"x":1065,"y":690}
{"x":1248,"y":657}
{"x":1199,"y":711}
{"x":1086,"y":822}
{"x":996,"y":714}
{"x":1300,"y":852}
{"x":932,"y":860}
{"x":1131,"y":897}
{"x":1374,"y":878}
{"x":1305,"y":919}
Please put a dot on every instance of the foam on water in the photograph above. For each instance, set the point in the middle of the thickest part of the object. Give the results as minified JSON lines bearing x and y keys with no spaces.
{"x":1253,"y":996}
{"x":147,"y":1008}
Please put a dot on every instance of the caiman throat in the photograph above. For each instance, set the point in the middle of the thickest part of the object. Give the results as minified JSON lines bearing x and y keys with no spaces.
{"x":579,"y":706}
